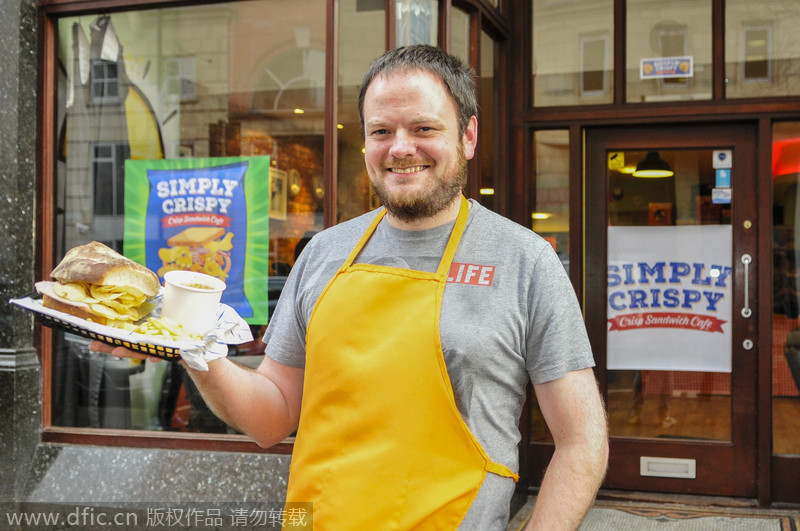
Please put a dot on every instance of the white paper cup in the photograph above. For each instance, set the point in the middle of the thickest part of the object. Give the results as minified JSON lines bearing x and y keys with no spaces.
{"x":191,"y":299}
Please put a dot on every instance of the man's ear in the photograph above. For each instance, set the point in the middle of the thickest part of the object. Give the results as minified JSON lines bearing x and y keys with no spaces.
{"x":470,"y":138}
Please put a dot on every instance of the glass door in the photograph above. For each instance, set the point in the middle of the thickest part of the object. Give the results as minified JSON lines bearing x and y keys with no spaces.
{"x":671,"y":308}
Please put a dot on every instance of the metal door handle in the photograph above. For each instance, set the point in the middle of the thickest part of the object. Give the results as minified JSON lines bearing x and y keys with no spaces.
{"x":746,"y":311}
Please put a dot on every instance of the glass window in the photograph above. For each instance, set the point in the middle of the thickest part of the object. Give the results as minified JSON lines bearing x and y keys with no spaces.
{"x":459,"y":34}
{"x":550,"y":219}
{"x":417,"y":22}
{"x":362,"y":38}
{"x":190,"y":87}
{"x":786,"y":288}
{"x":573,"y":54}
{"x":487,"y":125}
{"x":668,"y":50}
{"x":550,"y":216}
{"x":670,"y":205}
{"x":762,"y":53}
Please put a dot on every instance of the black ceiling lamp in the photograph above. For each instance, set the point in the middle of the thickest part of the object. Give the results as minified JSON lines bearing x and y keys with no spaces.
{"x":653,"y":166}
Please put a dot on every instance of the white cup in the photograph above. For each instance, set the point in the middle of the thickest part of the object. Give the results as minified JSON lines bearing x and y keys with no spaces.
{"x":191,"y":299}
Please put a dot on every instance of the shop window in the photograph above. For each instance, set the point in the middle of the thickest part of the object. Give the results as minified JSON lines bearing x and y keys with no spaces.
{"x":459,"y":34}
{"x":489,"y":122}
{"x":572,"y":56}
{"x":762,"y":54}
{"x":417,"y":21}
{"x":786,"y":288}
{"x":668,"y":49}
{"x":549,"y":219}
{"x":192,"y":87}
{"x":362,"y":37}
{"x":550,"y":189}
{"x":672,"y":43}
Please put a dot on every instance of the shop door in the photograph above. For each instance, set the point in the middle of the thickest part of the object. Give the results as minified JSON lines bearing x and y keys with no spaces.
{"x":670,"y":300}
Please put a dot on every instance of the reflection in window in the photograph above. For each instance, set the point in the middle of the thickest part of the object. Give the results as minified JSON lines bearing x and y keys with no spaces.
{"x":225,"y":80}
{"x":572,"y":59}
{"x":362,"y":37}
{"x":672,"y":43}
{"x":105,"y":81}
{"x":668,"y":51}
{"x":295,"y":80}
{"x":550,"y":216}
{"x":487,"y":123}
{"x":180,"y":77}
{"x":459,"y":34}
{"x":594,"y":67}
{"x":757,"y":65}
{"x":108,"y":170}
{"x":417,"y":21}
{"x":762,"y":52}
{"x":786,"y":288}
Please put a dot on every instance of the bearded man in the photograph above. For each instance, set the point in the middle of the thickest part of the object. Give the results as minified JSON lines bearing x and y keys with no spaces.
{"x":404,"y":340}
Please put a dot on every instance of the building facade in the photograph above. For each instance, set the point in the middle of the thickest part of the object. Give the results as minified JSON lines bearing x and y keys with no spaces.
{"x":686,"y":274}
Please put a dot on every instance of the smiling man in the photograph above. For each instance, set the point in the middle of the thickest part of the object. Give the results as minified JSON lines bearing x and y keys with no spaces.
{"x":416,"y":146}
{"x":404,"y":340}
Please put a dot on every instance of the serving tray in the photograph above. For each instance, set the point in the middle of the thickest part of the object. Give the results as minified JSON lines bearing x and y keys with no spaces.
{"x":230,"y":330}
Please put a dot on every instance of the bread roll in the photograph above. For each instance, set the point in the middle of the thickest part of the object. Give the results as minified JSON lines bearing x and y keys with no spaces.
{"x":96,"y":263}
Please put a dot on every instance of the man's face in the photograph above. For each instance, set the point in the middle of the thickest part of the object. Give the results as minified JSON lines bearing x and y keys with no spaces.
{"x":415,"y":157}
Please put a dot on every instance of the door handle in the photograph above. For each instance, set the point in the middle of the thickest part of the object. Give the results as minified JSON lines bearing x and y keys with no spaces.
{"x":746,"y":311}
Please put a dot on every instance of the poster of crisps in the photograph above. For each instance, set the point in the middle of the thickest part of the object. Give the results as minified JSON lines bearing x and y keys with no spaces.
{"x":203,"y":214}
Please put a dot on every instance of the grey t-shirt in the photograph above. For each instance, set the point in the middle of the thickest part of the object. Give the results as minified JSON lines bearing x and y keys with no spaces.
{"x":509,"y":314}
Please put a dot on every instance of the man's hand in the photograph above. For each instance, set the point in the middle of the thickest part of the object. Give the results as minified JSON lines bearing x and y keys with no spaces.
{"x":120,"y":352}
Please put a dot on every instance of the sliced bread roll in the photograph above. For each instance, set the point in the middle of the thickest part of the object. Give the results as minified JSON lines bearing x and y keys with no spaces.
{"x":95,"y":263}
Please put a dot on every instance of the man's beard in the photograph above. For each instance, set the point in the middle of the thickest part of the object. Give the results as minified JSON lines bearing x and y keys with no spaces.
{"x":431,"y":201}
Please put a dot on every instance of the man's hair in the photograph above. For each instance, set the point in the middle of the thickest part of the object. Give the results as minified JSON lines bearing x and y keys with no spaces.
{"x":458,"y":77}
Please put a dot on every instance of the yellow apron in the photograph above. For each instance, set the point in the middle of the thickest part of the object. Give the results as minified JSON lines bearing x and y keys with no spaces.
{"x":381,"y":444}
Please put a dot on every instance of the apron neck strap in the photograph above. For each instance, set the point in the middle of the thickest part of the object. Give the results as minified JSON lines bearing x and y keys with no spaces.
{"x":455,"y":238}
{"x":449,"y":252}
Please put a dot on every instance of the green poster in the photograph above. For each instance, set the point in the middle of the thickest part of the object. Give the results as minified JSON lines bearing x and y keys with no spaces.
{"x":209,"y":215}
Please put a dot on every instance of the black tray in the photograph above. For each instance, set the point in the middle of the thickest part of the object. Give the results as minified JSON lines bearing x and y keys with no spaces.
{"x":158,"y":351}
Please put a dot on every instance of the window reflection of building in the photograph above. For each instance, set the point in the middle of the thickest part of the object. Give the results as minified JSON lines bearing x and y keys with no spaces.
{"x":182,"y":82}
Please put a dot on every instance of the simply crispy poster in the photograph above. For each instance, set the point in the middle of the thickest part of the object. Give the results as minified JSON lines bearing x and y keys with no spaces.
{"x":203,"y":214}
{"x":670,"y":292}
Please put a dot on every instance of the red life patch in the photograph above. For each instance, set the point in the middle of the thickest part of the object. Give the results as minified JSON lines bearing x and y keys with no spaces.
{"x":477,"y":275}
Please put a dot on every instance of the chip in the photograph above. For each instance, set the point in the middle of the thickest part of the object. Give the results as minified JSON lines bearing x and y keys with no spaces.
{"x":166,"y":328}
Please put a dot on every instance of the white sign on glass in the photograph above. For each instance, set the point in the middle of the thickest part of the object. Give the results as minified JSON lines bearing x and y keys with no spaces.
{"x":669,"y":302}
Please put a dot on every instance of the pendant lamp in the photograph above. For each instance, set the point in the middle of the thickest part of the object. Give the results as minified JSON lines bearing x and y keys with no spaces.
{"x":653,"y":166}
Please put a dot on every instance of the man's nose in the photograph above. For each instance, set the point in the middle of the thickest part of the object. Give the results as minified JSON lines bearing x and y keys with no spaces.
{"x":403,"y":145}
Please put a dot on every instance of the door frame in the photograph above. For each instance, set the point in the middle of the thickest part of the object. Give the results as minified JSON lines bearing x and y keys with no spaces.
{"x":723,"y":468}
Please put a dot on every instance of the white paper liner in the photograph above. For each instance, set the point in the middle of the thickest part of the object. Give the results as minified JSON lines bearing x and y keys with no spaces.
{"x":230,"y":329}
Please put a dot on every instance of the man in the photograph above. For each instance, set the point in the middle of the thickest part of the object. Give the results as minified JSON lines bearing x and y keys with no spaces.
{"x":410,"y":334}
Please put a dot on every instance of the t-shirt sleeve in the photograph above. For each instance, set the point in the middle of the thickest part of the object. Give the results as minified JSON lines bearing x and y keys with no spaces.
{"x":285,"y":335}
{"x":557,"y":340}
